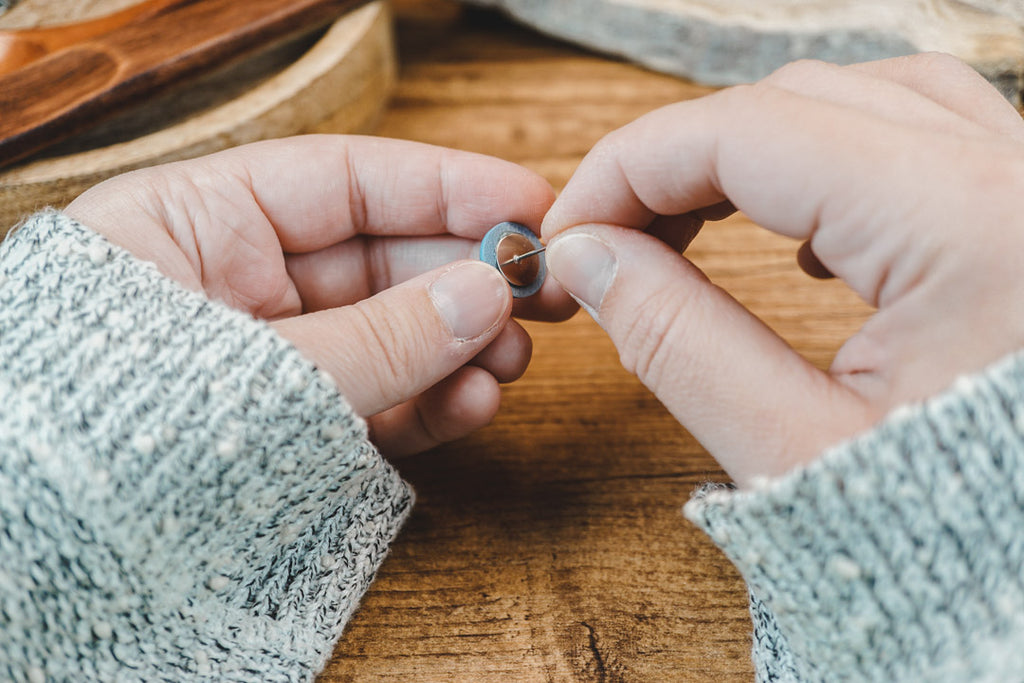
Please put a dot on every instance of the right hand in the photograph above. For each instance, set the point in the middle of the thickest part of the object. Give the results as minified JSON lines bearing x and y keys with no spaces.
{"x":903,"y":177}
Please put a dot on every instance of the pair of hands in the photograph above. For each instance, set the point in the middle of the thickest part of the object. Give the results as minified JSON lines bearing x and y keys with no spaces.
{"x":902,"y":177}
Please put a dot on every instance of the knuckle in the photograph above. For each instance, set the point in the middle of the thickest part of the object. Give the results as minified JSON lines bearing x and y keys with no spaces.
{"x":748,"y":97}
{"x":398,"y":357}
{"x":428,"y":424}
{"x":358,"y":207}
{"x":799,"y":72}
{"x":651,"y":342}
{"x":376,"y":263}
{"x":938,"y":61}
{"x":931,"y":68}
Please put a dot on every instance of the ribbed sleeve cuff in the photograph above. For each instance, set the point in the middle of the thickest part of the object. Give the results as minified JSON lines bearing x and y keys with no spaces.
{"x":184,"y":495}
{"x":898,"y":555}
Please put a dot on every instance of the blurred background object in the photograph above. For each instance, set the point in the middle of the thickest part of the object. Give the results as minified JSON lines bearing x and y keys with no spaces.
{"x":725,"y":42}
{"x":1010,"y":8}
{"x":335,"y":80}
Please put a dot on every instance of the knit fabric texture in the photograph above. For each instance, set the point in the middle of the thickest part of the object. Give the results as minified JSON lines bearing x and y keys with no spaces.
{"x":182,"y":495}
{"x":897,"y":556}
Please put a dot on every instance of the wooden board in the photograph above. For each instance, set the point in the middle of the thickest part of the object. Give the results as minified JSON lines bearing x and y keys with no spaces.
{"x":724,"y":42}
{"x":335,"y":81}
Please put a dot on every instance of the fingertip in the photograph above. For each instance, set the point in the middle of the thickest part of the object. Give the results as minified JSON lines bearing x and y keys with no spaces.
{"x":472,"y":299}
{"x":553,"y":222}
{"x":487,"y":191}
{"x":508,"y":356}
{"x":460,"y":404}
{"x":386,"y":349}
{"x":584,"y":264}
{"x":551,"y":304}
{"x":573,"y":207}
{"x":542,"y":196}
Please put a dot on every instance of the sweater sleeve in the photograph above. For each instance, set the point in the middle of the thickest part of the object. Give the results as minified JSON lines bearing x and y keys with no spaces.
{"x":182,"y":495}
{"x":898,"y":555}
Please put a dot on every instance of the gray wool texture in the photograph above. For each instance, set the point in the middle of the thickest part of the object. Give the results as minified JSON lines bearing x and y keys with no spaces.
{"x":182,"y":495}
{"x":897,"y":556}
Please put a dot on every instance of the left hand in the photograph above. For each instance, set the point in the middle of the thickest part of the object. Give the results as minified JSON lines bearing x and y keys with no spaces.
{"x":345,"y":244}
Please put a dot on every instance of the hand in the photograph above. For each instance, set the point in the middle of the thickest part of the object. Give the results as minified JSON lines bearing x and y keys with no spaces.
{"x":346,"y":245}
{"x":903,"y":177}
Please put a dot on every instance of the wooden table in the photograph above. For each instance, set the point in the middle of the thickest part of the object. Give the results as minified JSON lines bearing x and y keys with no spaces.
{"x":550,"y":545}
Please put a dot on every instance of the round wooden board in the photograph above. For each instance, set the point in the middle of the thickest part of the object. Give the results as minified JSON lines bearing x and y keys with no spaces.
{"x":337,"y":82}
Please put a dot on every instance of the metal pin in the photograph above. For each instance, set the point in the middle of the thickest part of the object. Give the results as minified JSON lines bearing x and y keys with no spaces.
{"x":517,"y":254}
{"x":519,"y":257}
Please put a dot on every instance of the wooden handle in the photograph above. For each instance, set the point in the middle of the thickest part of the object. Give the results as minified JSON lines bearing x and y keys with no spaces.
{"x":56,"y":96}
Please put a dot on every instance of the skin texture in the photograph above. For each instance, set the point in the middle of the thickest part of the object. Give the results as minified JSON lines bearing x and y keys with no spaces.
{"x":355,"y":250}
{"x":902,"y":177}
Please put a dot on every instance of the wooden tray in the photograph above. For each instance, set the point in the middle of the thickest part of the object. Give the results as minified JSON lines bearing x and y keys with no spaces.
{"x":335,"y":81}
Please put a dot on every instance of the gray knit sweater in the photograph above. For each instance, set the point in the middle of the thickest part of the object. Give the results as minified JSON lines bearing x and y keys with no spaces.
{"x":182,"y":496}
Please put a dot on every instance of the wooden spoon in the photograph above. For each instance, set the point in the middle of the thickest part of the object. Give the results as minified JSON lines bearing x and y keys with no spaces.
{"x":103,"y":69}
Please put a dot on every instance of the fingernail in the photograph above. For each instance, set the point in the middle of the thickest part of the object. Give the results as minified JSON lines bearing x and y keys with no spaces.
{"x":584,"y":266}
{"x":471,"y":298}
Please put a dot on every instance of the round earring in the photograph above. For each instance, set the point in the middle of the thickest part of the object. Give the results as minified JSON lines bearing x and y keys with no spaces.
{"x":518,"y":255}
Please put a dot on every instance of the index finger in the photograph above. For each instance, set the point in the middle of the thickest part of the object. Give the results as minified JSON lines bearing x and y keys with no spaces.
{"x":793,"y":164}
{"x":674,"y":160}
{"x":738,"y":145}
{"x":319,"y":190}
{"x":782,"y":158}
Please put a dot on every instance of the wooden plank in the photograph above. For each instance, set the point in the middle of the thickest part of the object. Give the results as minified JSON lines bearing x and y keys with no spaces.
{"x":76,"y":83}
{"x":724,"y":42}
{"x":336,"y":81}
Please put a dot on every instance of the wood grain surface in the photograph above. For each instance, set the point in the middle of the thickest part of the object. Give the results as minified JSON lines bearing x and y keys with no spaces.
{"x":180,"y":39}
{"x":338,"y":80}
{"x":550,"y":545}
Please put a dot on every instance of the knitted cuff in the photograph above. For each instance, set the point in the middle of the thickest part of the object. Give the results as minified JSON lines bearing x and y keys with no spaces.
{"x":182,"y":495}
{"x":897,"y":555}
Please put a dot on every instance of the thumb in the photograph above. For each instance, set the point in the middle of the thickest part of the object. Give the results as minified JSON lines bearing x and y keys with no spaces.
{"x":750,"y":399}
{"x":393,"y":346}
